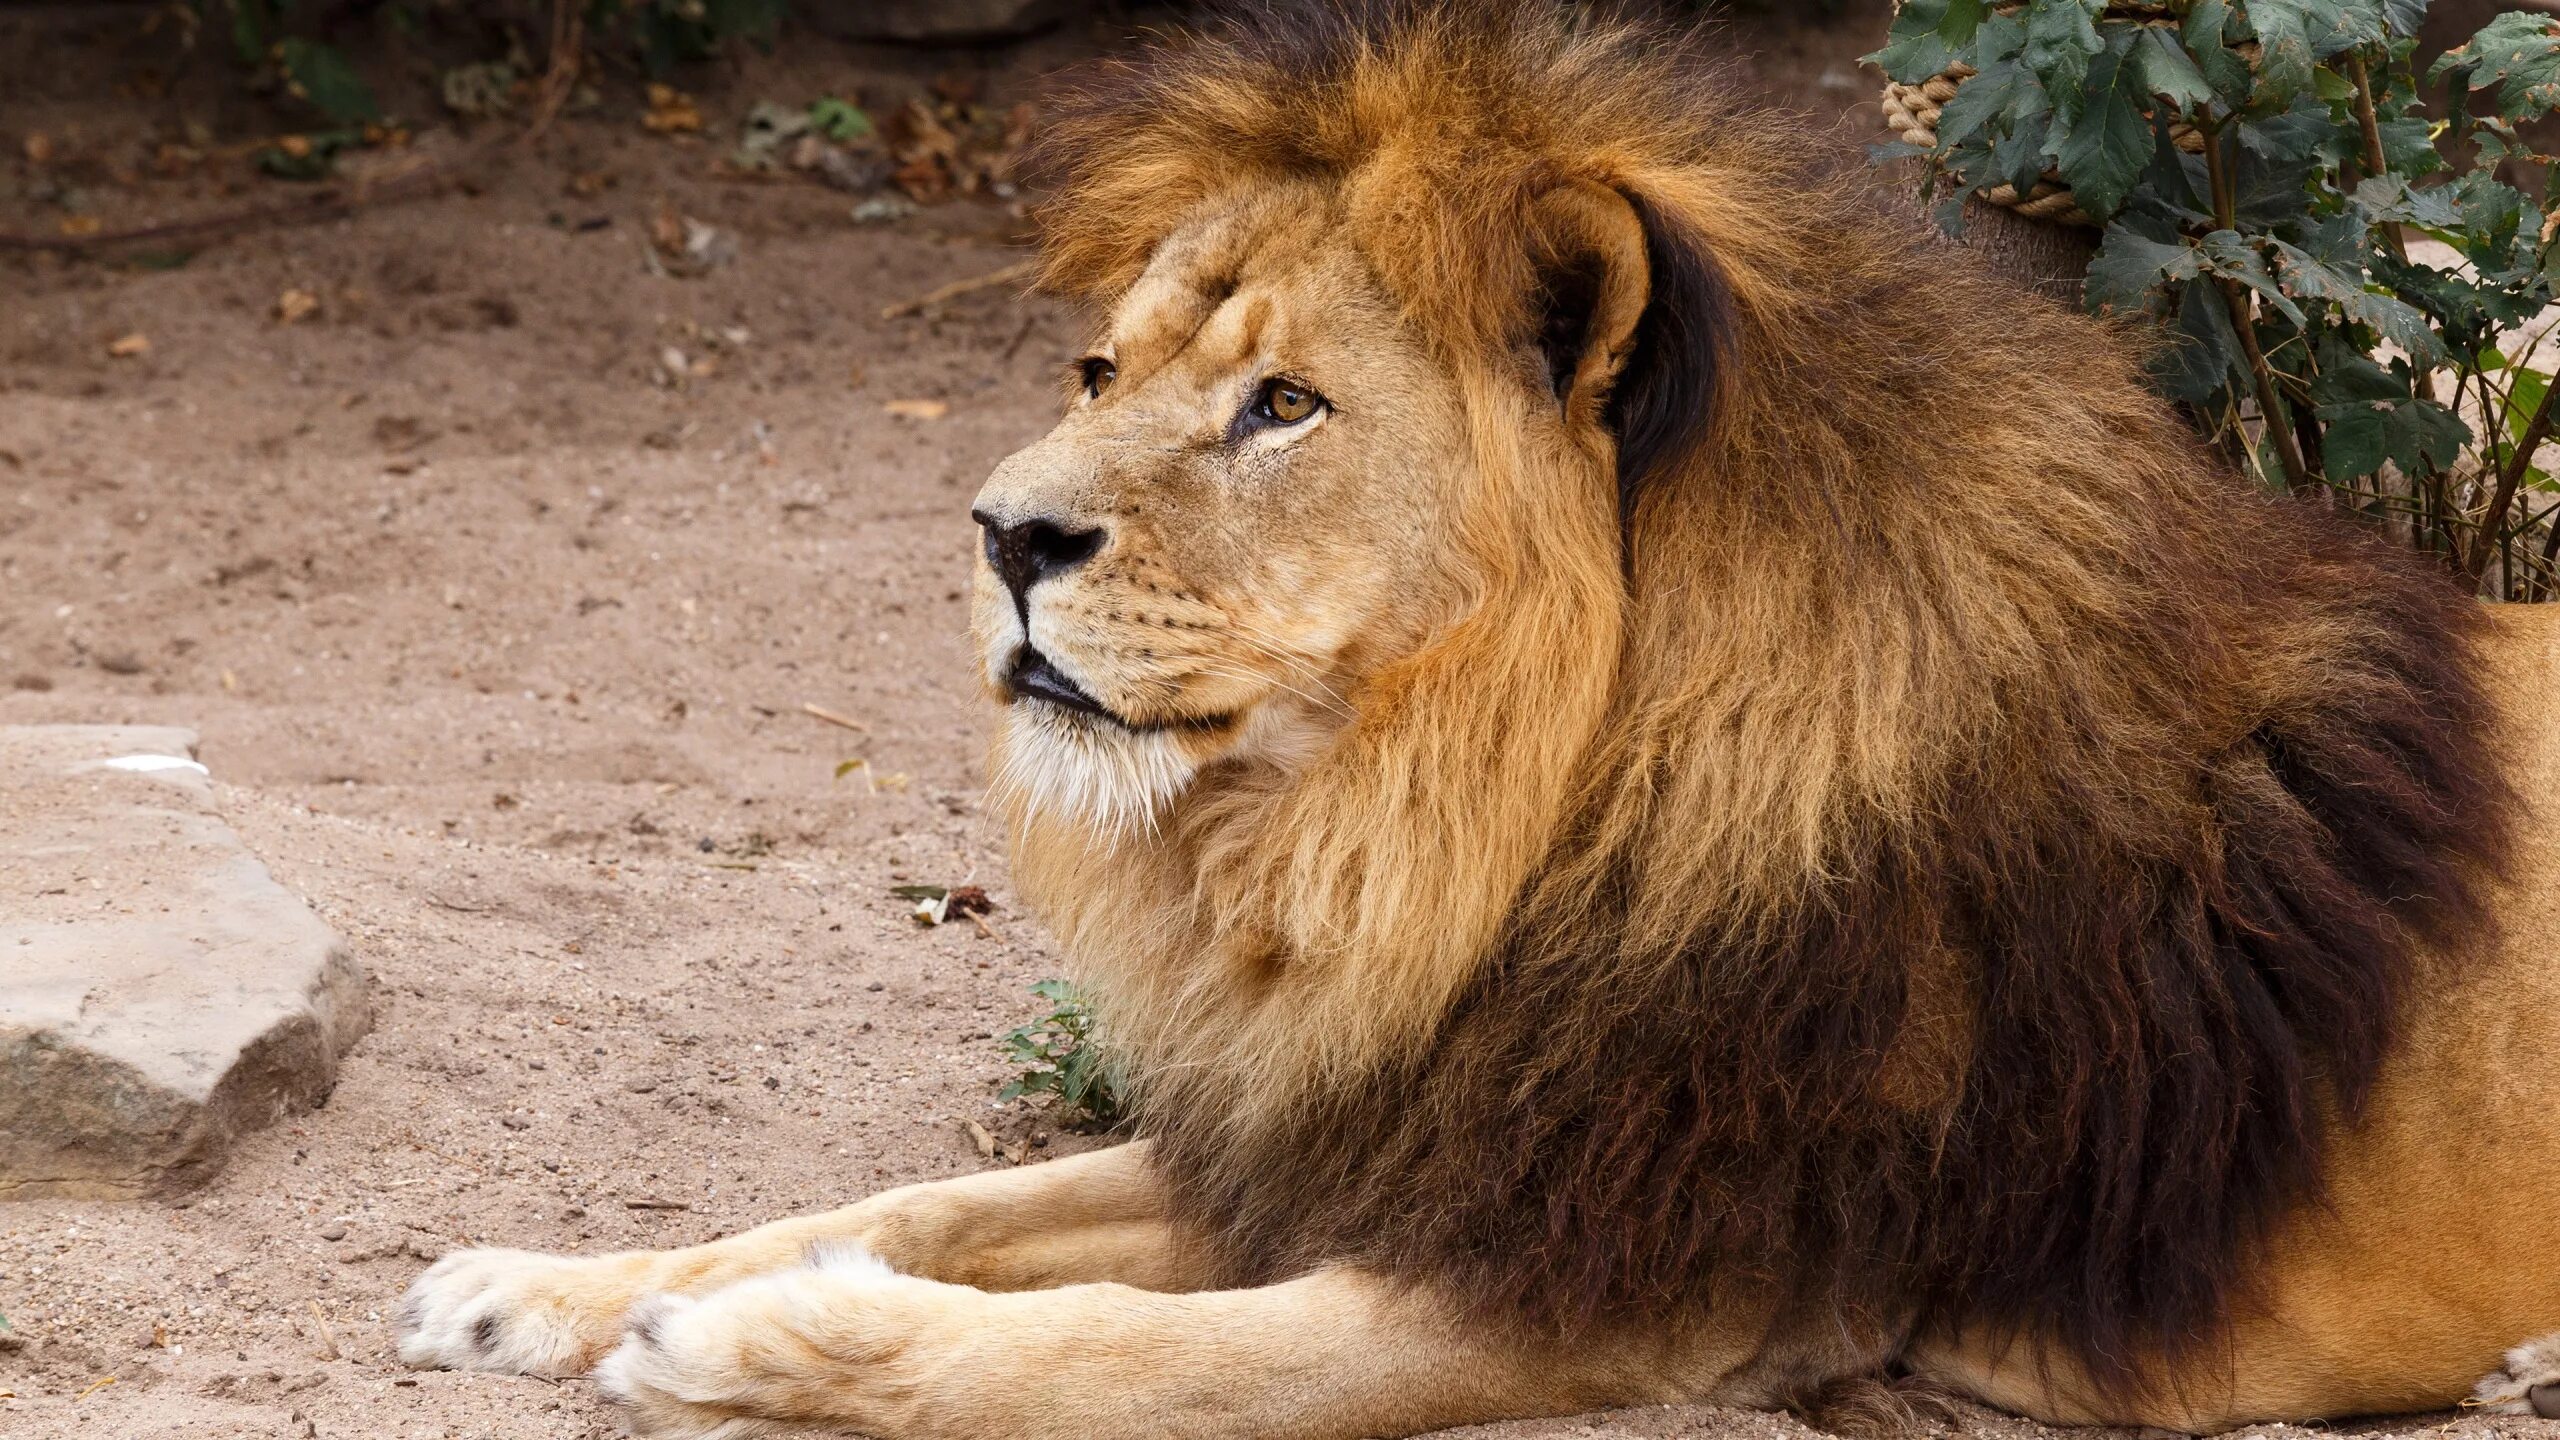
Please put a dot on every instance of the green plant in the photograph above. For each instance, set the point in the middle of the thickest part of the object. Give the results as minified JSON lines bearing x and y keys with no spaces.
{"x":1060,"y":1058}
{"x":2261,"y":167}
{"x":838,"y":119}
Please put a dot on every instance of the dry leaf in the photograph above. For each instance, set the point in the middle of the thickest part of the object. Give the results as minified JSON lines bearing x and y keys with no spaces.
{"x":918,"y":409}
{"x":39,"y":148}
{"x":978,"y":1136}
{"x":296,"y":305}
{"x":671,"y":112}
{"x":130,"y":346}
{"x":81,"y":225}
{"x":686,"y":247}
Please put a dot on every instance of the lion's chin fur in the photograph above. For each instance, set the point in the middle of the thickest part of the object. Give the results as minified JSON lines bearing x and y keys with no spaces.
{"x":1908,"y":821}
{"x":1104,"y":781}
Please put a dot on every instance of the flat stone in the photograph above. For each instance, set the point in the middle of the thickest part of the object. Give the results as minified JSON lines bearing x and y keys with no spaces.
{"x":160,"y":993}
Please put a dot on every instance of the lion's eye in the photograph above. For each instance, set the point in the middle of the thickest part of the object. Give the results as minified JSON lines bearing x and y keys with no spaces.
{"x":1097,"y":374}
{"x":1286,"y":402}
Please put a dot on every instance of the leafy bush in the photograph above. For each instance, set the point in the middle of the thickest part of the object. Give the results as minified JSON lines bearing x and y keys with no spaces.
{"x":2260,"y":167}
{"x":1061,"y":1059}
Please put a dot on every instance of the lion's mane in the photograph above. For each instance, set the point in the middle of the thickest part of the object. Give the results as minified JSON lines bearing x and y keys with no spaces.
{"x":1940,"y":840}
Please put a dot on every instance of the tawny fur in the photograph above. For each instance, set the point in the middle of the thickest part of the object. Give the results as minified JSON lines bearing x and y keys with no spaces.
{"x":1905,"y":818}
{"x":1745,"y":806}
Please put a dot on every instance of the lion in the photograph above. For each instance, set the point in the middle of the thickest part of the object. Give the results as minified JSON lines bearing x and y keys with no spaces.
{"x":1669,"y":794}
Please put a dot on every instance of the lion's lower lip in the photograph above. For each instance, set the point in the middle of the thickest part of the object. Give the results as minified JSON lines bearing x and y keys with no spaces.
{"x":1034,"y":677}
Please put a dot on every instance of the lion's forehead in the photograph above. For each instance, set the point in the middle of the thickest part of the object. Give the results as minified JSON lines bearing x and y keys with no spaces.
{"x":1243,"y":274}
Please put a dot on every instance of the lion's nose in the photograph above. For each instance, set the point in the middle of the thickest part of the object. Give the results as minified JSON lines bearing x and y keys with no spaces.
{"x":1027,"y":552}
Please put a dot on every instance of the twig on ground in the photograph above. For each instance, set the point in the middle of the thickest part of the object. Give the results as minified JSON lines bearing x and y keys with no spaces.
{"x":821,"y":712}
{"x":648,"y":1204}
{"x":1021,"y":270}
{"x":1014,"y":345}
{"x":328,"y":1339}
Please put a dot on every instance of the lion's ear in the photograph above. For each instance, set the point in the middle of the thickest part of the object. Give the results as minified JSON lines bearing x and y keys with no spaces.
{"x":1594,"y":278}
{"x":1636,"y":323}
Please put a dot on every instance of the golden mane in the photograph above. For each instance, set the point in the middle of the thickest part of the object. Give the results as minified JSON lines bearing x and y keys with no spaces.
{"x":1906,"y":821}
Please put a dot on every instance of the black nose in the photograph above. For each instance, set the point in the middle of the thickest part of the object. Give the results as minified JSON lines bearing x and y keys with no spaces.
{"x":1027,"y":553}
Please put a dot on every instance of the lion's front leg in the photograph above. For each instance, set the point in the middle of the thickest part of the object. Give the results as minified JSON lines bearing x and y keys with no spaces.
{"x":847,"y":1342}
{"x":1099,"y":1216}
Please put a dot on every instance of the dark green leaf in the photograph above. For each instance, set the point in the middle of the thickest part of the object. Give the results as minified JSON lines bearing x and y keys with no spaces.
{"x":2419,"y":436}
{"x":2133,"y":272}
{"x":2207,"y":40}
{"x":1927,"y":37}
{"x":2285,"y":56}
{"x":2204,"y":354}
{"x":2062,"y":44}
{"x":2388,"y":198}
{"x":2108,"y":142}
{"x":2519,"y":53}
{"x":319,"y":74}
{"x":2395,"y":320}
{"x":2409,"y":147}
{"x":2230,"y":254}
{"x":2298,"y":133}
{"x":1979,"y":100}
{"x":2166,"y":71}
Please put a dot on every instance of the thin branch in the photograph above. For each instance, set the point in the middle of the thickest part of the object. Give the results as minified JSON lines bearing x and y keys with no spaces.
{"x":2494,"y":519}
{"x":2376,"y":161}
{"x":2244,"y":323}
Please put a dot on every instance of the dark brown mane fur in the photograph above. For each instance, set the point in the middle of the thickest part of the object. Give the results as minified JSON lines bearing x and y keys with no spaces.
{"x":2011,"y":839}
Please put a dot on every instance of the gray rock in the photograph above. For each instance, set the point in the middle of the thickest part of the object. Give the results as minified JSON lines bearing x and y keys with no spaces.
{"x":160,"y":993}
{"x":938,"y":21}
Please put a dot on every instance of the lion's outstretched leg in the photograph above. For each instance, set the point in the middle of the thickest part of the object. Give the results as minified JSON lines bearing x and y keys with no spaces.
{"x":2529,"y":1385}
{"x":1091,"y":1217}
{"x":848,"y":1342}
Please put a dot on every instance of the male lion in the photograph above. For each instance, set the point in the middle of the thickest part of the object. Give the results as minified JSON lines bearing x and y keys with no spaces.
{"x":1671,"y":795}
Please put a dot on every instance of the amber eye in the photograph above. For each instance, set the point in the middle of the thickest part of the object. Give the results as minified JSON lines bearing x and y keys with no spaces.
{"x":1097,"y":373}
{"x":1286,"y":402}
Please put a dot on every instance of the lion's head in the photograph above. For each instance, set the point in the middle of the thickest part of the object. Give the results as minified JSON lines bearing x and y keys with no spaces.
{"x":1597,"y":709}
{"x":1199,"y":566}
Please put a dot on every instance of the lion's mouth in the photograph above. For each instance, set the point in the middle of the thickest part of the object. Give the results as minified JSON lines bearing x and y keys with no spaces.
{"x":1033,"y":676}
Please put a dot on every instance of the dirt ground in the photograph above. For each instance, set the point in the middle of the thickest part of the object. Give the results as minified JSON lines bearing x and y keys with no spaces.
{"x":498,"y":640}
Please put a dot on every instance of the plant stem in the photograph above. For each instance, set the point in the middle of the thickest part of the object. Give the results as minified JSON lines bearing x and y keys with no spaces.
{"x":2511,"y":475}
{"x":2244,"y":324}
{"x":2376,"y":163}
{"x":2550,"y":553}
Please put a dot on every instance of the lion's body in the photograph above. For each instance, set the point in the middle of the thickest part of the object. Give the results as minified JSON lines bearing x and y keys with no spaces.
{"x":1671,"y":793}
{"x":2433,"y":1254}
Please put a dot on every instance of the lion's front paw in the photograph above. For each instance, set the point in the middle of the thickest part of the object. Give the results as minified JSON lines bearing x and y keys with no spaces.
{"x":2530,"y":1385}
{"x":675,"y":1377}
{"x":517,"y":1313}
{"x":762,"y":1355}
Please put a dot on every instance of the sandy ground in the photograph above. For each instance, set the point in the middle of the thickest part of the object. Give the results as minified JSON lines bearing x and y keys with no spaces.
{"x":498,"y":645}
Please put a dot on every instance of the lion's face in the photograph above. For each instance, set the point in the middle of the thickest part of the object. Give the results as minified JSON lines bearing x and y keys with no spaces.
{"x":1241,"y":515}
